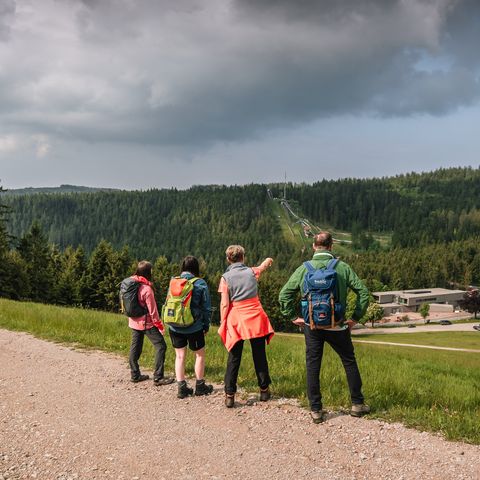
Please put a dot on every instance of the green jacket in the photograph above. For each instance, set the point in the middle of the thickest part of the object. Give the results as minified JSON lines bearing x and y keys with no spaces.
{"x":346,"y":278}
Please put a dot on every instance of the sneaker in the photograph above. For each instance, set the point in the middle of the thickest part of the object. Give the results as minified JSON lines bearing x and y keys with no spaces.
{"x":201,"y":388}
{"x":158,"y":382}
{"x":229,"y":400}
{"x":184,"y":390}
{"x":265,"y":394}
{"x":318,"y":416}
{"x":140,"y":378}
{"x":359,"y":409}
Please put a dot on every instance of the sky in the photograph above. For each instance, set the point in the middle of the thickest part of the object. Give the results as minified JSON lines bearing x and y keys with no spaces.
{"x":138,"y":94}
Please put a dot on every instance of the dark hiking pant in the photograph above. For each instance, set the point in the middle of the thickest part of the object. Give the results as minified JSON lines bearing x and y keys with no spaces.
{"x":136,"y":348}
{"x":341,"y":342}
{"x":259,"y":360}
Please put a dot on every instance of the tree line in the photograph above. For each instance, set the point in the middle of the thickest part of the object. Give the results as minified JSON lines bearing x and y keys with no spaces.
{"x":75,"y":248}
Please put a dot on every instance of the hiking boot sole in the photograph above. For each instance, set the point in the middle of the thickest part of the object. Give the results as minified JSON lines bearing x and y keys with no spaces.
{"x":202,"y":394}
{"x":163,"y":381}
{"x":184,"y":395}
{"x":320,"y":418}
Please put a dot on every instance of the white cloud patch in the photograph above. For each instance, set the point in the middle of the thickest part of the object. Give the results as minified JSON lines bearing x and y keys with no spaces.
{"x":8,"y":144}
{"x":42,"y":145}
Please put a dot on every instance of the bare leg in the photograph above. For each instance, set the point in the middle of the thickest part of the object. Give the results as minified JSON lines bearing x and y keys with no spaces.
{"x":180,"y":355}
{"x":200,"y":363}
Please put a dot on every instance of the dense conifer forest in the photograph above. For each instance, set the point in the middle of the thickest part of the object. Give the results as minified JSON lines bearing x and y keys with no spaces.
{"x":73,"y":248}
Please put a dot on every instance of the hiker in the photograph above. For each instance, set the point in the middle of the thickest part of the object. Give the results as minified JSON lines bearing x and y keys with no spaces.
{"x":243,"y":318}
{"x":318,"y":322}
{"x":147,"y":324}
{"x":193,"y":334}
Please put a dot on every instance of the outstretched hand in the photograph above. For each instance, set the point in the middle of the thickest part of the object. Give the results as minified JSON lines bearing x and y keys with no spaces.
{"x":268,"y":262}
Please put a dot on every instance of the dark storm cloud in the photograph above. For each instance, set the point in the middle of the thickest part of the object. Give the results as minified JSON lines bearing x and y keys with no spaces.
{"x":192,"y":72}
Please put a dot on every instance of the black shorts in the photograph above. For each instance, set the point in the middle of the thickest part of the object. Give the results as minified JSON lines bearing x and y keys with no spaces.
{"x":195,"y":340}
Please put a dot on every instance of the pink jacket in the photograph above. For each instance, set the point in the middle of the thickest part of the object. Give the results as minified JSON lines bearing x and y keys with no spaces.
{"x":146,"y":298}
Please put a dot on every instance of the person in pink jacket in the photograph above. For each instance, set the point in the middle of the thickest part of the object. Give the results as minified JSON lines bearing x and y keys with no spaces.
{"x":149,"y":325}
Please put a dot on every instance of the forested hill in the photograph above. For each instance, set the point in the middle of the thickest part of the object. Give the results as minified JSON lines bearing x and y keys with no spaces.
{"x":200,"y":221}
{"x":433,"y":220}
{"x":417,"y":209}
{"x":60,"y":189}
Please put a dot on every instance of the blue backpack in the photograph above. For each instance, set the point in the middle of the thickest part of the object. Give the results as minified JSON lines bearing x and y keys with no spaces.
{"x":320,"y":308}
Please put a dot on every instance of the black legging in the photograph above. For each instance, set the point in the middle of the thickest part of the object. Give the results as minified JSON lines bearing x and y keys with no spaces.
{"x":259,"y":360}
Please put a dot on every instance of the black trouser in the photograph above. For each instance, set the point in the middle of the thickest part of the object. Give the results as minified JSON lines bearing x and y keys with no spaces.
{"x":259,"y":360}
{"x":136,"y":347}
{"x":341,"y":342}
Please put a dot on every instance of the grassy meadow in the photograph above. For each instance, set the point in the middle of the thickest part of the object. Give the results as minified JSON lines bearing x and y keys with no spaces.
{"x":470,"y":340}
{"x":430,"y":390}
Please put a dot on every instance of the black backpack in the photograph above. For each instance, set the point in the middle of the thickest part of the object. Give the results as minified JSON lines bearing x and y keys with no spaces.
{"x":129,"y":298}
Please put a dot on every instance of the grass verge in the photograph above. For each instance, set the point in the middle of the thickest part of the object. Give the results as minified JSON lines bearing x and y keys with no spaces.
{"x":469,"y":340}
{"x":430,"y":390}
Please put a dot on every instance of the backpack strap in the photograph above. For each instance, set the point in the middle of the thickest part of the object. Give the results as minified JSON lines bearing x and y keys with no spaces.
{"x":309,"y":266}
{"x":332,"y":263}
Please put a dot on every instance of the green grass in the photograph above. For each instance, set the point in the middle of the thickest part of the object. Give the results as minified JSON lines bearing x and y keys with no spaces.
{"x":438,"y":339}
{"x":430,"y":390}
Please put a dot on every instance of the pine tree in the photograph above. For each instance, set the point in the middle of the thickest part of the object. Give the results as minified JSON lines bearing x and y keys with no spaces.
{"x":35,"y":251}
{"x":72,"y":267}
{"x":96,"y":281}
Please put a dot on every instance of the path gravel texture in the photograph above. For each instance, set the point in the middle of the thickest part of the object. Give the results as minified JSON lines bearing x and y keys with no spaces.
{"x":68,"y":414}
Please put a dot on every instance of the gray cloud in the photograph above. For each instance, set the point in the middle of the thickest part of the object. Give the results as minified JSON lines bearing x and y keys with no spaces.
{"x":7,"y":13}
{"x":192,"y":72}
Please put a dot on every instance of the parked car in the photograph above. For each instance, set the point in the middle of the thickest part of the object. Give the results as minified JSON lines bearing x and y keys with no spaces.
{"x":445,"y":322}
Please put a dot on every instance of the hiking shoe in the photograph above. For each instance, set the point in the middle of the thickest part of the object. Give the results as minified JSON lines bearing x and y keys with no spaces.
{"x":229,"y":400}
{"x":265,"y":394}
{"x":318,"y":416}
{"x":140,"y":378}
{"x":158,"y":382}
{"x":201,"y":388}
{"x":184,"y":390}
{"x":359,"y":409}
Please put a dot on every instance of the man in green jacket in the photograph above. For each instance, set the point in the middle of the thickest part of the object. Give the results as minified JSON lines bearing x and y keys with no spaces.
{"x":338,"y":337}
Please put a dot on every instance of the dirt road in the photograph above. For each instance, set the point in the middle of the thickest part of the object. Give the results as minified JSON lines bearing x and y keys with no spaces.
{"x":69,"y":414}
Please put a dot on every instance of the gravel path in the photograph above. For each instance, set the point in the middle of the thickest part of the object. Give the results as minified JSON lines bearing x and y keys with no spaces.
{"x":69,"y":414}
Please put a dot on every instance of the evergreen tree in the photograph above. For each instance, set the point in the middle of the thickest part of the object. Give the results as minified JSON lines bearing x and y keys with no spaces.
{"x":97,"y":280}
{"x":72,"y":267}
{"x":35,"y":252}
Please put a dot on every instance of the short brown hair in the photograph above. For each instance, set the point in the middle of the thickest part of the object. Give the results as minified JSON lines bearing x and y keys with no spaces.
{"x":323,"y":240}
{"x":144,"y":269}
{"x":235,"y":253}
{"x":190,"y":264}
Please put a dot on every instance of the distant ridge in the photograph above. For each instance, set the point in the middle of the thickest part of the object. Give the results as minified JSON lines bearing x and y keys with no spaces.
{"x":60,"y":189}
